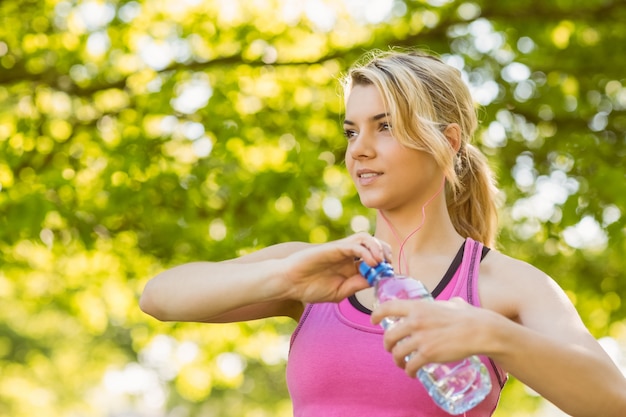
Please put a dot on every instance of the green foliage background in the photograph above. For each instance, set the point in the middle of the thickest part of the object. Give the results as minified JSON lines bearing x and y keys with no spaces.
{"x":135,"y":135}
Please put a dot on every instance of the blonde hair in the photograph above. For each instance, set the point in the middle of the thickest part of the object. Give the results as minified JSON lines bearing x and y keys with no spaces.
{"x":423,"y":95}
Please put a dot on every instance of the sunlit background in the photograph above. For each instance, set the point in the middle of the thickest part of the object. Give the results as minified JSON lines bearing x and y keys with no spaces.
{"x":136,"y":135}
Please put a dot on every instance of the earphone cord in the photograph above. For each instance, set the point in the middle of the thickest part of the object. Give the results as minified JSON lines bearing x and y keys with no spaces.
{"x":401,"y":256}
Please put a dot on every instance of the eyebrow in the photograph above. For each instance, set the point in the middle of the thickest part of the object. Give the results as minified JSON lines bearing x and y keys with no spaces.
{"x":373,"y":119}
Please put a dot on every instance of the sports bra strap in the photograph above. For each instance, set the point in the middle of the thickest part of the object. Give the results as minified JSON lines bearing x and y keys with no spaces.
{"x":471,"y":265}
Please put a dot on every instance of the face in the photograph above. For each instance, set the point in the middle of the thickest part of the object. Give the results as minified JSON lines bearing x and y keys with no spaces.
{"x":387,"y":174}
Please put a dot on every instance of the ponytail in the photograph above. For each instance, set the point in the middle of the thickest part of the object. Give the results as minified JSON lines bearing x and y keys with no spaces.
{"x":472,"y":204}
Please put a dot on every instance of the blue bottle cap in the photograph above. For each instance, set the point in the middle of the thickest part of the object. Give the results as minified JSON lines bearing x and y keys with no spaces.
{"x":371,"y":272}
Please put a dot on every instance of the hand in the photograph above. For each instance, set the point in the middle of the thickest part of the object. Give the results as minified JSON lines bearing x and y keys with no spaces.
{"x":329,"y":272}
{"x":427,"y":332}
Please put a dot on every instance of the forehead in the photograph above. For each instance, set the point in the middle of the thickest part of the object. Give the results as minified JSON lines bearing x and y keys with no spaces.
{"x":364,"y":100}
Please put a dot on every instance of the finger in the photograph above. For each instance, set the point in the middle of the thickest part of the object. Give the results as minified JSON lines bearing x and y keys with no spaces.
{"x":392,"y":308}
{"x":375,"y":247}
{"x":405,"y":351}
{"x":387,"y":253}
{"x":379,"y":245}
{"x":408,"y":355}
{"x":363,"y":254}
{"x":412,"y":362}
{"x":399,"y":338}
{"x":384,"y":250}
{"x":351,"y":285}
{"x":359,"y":249}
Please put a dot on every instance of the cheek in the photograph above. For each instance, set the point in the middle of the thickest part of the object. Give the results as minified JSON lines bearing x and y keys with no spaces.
{"x":348,"y":160}
{"x":415,"y":168}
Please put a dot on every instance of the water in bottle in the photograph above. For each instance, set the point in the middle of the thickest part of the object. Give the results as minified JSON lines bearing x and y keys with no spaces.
{"x":456,"y":387}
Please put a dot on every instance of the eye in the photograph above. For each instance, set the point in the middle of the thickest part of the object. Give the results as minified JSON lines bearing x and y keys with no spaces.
{"x":350,"y":134}
{"x":385,"y":126}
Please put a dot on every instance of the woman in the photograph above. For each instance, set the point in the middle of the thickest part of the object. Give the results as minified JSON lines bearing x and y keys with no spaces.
{"x":409,"y":119}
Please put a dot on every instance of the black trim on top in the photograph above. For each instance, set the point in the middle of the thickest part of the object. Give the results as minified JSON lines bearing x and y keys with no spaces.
{"x":356,"y":304}
{"x":456,"y":262}
{"x":447,"y":277}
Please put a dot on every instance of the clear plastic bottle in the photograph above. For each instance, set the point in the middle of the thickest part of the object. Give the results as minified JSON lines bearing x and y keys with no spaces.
{"x":456,"y":387}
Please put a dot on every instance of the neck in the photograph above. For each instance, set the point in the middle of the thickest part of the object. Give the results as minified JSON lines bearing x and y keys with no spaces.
{"x":420,"y":230}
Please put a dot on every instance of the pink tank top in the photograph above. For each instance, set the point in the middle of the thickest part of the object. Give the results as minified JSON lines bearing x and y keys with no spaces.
{"x":338,"y":367}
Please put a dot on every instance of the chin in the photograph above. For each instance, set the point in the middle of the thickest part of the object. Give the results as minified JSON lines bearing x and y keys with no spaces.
{"x":371,"y":203}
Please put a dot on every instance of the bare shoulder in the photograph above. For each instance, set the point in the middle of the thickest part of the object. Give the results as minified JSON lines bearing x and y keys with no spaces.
{"x":509,"y":286}
{"x":278,"y":251}
{"x":495,"y":263}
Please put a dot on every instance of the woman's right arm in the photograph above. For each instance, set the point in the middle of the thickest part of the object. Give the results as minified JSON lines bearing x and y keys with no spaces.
{"x":276,"y":281}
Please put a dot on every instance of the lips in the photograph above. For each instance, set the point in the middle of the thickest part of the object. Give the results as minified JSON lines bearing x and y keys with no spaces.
{"x":366,"y":176}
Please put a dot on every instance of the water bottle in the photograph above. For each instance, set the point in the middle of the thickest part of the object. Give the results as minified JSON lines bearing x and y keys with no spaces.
{"x":456,"y":387}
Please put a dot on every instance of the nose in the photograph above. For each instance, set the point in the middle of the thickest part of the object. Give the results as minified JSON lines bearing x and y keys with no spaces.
{"x":361,"y":146}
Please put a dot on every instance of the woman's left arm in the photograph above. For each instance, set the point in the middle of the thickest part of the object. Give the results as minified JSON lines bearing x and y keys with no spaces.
{"x":550,"y":350}
{"x":529,"y":327}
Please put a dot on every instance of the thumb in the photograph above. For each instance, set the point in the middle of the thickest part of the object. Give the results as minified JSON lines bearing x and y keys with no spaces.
{"x":346,"y":286}
{"x":353,"y":284}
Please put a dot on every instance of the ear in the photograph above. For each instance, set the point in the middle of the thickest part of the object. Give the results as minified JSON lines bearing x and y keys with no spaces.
{"x":453,"y":134}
